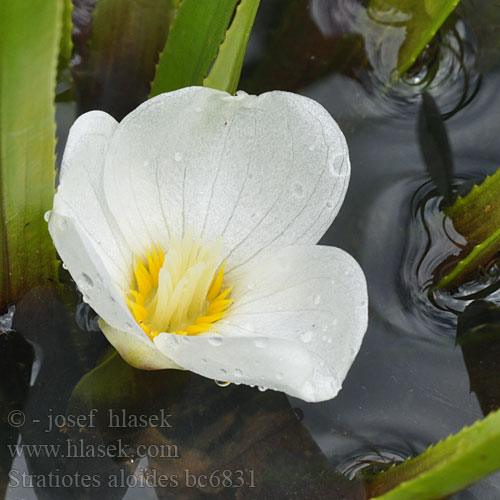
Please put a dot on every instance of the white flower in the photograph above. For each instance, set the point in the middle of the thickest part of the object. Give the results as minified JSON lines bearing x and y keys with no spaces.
{"x":190,"y":228}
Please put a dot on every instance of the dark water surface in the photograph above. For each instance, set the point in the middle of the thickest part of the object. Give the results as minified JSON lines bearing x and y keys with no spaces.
{"x":410,"y":385}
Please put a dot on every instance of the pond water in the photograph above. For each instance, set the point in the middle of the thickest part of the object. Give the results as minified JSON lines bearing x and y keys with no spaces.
{"x":411,"y":385}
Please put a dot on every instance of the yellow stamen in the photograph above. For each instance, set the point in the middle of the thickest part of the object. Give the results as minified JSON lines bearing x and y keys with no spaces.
{"x":179,"y":292}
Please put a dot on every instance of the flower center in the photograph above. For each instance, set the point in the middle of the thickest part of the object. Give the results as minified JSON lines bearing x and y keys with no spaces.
{"x":179,"y":291}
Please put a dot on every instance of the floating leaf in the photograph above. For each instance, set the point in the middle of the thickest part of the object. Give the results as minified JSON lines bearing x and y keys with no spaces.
{"x":445,"y":468}
{"x":29,"y":43}
{"x":225,"y":73}
{"x":435,"y":146}
{"x":477,"y":218}
{"x":117,"y":44}
{"x":193,"y":43}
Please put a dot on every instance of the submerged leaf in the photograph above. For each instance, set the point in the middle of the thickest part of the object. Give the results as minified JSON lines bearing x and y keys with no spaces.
{"x":435,"y":146}
{"x":225,"y":73}
{"x":193,"y":42}
{"x":214,"y":429}
{"x":448,"y":467}
{"x":478,"y":334}
{"x":420,"y":19}
{"x":29,"y":43}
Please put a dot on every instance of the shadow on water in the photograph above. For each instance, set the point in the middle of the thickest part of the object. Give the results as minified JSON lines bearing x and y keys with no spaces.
{"x":429,"y":363}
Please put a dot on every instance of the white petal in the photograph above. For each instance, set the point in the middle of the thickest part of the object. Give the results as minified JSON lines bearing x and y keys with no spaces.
{"x":267,"y":171}
{"x":135,"y":351}
{"x":296,"y":325}
{"x":81,"y":227}
{"x":80,"y":194}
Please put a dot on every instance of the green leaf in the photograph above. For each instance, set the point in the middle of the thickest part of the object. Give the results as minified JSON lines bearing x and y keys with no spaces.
{"x":445,"y":468}
{"x":117,"y":45}
{"x":29,"y":43}
{"x":421,"y":20}
{"x":193,"y":43}
{"x":226,"y":71}
{"x":66,"y":45}
{"x":477,"y":218}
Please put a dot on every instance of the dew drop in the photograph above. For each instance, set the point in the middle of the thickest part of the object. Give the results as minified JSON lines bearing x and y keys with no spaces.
{"x":324,"y":328}
{"x":238,"y":373}
{"x":85,"y":282}
{"x":46,"y":215}
{"x":215,"y":341}
{"x":262,"y":388}
{"x":220,"y":383}
{"x":298,"y":190}
{"x":146,"y":163}
{"x":178,"y":156}
{"x":306,"y":337}
{"x":312,"y":147}
{"x":260,"y":343}
{"x":65,"y":266}
{"x":329,"y":204}
{"x":204,"y":360}
{"x":223,"y":371}
{"x":317,"y":299}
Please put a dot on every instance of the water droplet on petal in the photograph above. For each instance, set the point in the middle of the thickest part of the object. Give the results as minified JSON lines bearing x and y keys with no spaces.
{"x":85,"y":282}
{"x":260,"y":343}
{"x":306,"y":337}
{"x":215,"y":341}
{"x":317,"y":299}
{"x":65,"y":266}
{"x":146,"y":163}
{"x":204,"y":360}
{"x":46,"y":215}
{"x":238,"y":373}
{"x":298,"y":190}
{"x":220,"y":383}
{"x":312,"y":147}
{"x":262,"y":388}
{"x":324,"y":328}
{"x":329,"y":204}
{"x":178,"y":156}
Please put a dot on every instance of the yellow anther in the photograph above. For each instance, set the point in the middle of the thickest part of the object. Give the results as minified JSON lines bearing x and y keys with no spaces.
{"x":179,"y":292}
